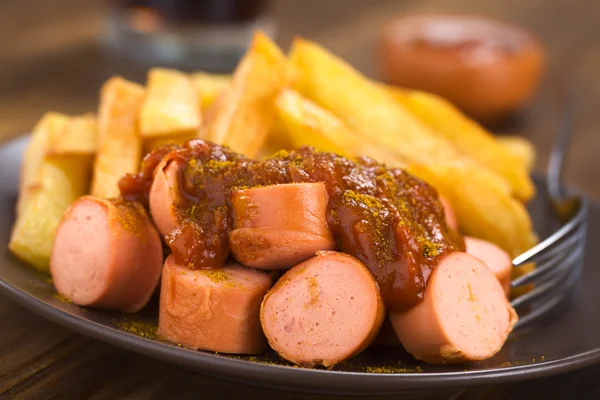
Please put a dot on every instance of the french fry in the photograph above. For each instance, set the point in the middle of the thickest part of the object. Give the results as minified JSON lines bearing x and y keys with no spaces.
{"x":35,"y":153}
{"x":209,"y":86}
{"x":244,"y":114}
{"x":371,"y":110}
{"x":277,"y":139}
{"x":50,"y":183}
{"x":520,"y":148}
{"x":76,"y":137}
{"x":364,"y":106}
{"x":482,"y":209}
{"x":62,"y":181}
{"x":469,"y":137}
{"x":306,"y":123}
{"x":171,"y":105}
{"x":119,"y":143}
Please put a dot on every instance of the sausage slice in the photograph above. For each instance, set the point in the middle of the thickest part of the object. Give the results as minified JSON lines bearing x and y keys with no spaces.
{"x":213,"y":309}
{"x":496,"y":259}
{"x":279,"y":226}
{"x":464,"y":315}
{"x":163,"y":192}
{"x":323,"y":311}
{"x":106,"y":254}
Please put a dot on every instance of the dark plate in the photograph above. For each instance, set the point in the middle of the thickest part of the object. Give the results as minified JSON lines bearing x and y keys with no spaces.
{"x":568,"y":338}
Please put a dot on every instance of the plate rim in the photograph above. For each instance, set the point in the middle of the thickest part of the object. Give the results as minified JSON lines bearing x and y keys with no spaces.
{"x":368,"y":383}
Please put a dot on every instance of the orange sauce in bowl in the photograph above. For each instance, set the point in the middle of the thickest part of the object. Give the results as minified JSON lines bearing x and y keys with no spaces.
{"x":487,"y":68}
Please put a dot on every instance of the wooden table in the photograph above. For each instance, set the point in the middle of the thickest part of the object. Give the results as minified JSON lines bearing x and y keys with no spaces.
{"x":51,"y":59}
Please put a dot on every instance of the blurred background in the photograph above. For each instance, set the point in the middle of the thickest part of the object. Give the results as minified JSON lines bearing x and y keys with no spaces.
{"x":55,"y":54}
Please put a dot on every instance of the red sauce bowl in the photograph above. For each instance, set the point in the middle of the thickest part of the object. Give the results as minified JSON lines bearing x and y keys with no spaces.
{"x":487,"y":68}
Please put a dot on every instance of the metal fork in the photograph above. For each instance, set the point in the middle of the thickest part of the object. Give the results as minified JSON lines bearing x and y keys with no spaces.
{"x":559,"y":257}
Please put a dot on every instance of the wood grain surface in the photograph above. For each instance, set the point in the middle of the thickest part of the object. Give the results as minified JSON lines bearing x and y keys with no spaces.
{"x":52,"y":57}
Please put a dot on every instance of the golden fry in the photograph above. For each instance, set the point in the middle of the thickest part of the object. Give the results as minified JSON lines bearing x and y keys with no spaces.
{"x":119,"y":142}
{"x":469,"y":138}
{"x":308,"y":124}
{"x":62,"y":180}
{"x":364,"y":106}
{"x":77,"y":137}
{"x":520,"y":148}
{"x":35,"y":153}
{"x":277,"y":139}
{"x":244,"y":114}
{"x":171,"y":106}
{"x":50,"y":182}
{"x":209,"y":86}
{"x":371,"y":110}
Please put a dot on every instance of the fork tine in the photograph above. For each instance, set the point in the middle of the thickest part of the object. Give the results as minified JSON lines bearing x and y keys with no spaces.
{"x":552,"y":301}
{"x":537,"y":251}
{"x":553,"y":260}
{"x":542,"y":274}
{"x":560,"y":255}
{"x":565,"y":244}
{"x":550,"y":286}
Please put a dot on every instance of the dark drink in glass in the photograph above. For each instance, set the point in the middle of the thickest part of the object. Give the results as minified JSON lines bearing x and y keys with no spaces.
{"x":192,"y":34}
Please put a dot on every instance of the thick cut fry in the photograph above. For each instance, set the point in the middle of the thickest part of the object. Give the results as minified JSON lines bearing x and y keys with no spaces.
{"x":520,"y":148}
{"x":76,"y":137}
{"x":469,"y":138}
{"x":62,"y":180}
{"x":277,"y":139}
{"x":33,"y":157}
{"x":209,"y":87}
{"x":171,"y":106}
{"x":244,"y":114}
{"x":49,"y":183}
{"x":364,"y":106}
{"x":119,"y":143}
{"x":306,"y":123}
{"x":482,"y":209}
{"x":371,"y":110}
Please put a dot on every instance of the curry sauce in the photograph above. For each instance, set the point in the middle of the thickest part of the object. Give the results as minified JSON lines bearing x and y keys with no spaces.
{"x":388,"y":219}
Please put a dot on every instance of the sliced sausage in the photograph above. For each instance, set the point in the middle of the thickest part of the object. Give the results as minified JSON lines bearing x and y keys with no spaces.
{"x":464,"y":315}
{"x":496,"y":259}
{"x":106,"y":254}
{"x":162,"y":198}
{"x":323,"y":311}
{"x":451,"y":219}
{"x":213,"y":309}
{"x":279,"y":226}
